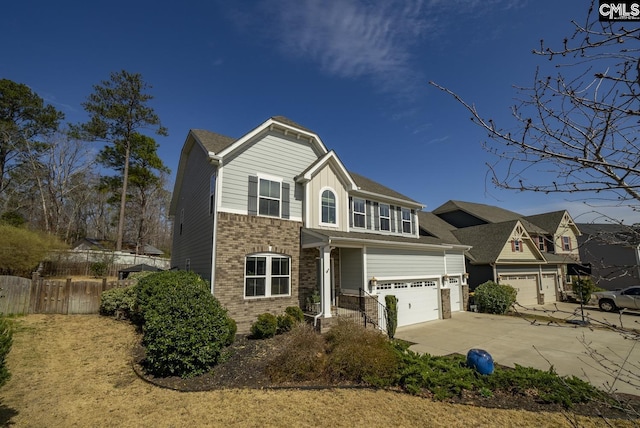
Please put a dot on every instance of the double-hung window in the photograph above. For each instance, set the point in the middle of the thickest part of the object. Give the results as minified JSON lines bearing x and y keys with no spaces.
{"x":566,"y":243}
{"x":267,"y":275}
{"x":269,"y":198}
{"x":541,"y":246}
{"x":359,"y":213}
{"x":328,"y":207}
{"x":384,"y":212}
{"x":406,"y":220}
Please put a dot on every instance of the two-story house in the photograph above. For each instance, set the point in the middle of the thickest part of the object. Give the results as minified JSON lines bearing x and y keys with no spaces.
{"x":530,"y":253}
{"x":273,"y":217}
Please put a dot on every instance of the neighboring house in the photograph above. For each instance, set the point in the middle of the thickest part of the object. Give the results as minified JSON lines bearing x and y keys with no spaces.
{"x":612,"y":252}
{"x":93,"y":244}
{"x":273,"y":216}
{"x":530,"y":253}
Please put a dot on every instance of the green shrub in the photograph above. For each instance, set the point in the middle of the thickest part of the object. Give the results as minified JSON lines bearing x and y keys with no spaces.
{"x":121,"y":301}
{"x":6,"y":340}
{"x":184,"y":327}
{"x":582,"y":289}
{"x":295,"y":312}
{"x":551,"y":388}
{"x":391,"y":302}
{"x":233,"y":329}
{"x":285,"y":323}
{"x":494,"y":298}
{"x":265,"y":326}
{"x":98,"y":269}
{"x":303,"y":357}
{"x":360,"y":355}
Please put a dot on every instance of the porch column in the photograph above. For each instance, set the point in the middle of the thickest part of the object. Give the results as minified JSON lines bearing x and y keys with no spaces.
{"x":325,"y":287}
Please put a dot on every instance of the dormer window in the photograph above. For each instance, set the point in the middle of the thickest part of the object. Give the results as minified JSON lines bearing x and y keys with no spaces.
{"x":541,"y":243}
{"x":328,"y":207}
{"x":566,"y":243}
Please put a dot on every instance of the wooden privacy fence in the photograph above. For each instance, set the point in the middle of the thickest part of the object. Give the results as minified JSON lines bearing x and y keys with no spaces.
{"x":43,"y":296}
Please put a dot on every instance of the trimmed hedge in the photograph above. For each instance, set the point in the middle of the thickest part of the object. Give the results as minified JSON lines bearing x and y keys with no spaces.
{"x":184,"y":327}
{"x":120,"y":301}
{"x":265,"y":326}
{"x":494,"y":298}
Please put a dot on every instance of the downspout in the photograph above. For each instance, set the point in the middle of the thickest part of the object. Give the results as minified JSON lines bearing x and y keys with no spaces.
{"x":638,"y":259}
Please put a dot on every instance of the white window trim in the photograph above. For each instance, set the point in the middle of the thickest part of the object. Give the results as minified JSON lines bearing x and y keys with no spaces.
{"x":267,"y":276}
{"x":410,"y":221}
{"x":335,"y":197}
{"x":364,"y":213}
{"x":381,"y":217}
{"x":273,"y":178}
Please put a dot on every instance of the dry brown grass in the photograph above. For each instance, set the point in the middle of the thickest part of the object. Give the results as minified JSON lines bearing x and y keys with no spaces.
{"x":76,"y":371}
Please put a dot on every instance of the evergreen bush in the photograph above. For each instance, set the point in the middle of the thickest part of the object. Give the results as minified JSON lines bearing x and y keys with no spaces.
{"x":582,"y":289}
{"x":265,"y":326}
{"x":391,"y":302}
{"x":6,"y":340}
{"x":184,"y":327}
{"x":494,"y":298}
{"x":295,"y":312}
{"x":121,"y":301}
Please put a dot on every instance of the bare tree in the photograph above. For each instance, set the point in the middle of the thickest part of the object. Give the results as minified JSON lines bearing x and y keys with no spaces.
{"x":59,"y":175}
{"x":578,"y":125}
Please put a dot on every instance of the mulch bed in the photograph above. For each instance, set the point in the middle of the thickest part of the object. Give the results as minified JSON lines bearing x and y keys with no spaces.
{"x":247,"y":359}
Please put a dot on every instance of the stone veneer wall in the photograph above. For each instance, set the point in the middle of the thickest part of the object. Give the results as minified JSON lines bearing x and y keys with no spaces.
{"x":241,"y":235}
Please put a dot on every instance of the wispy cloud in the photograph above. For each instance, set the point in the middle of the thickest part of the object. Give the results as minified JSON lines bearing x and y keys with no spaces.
{"x":375,"y":39}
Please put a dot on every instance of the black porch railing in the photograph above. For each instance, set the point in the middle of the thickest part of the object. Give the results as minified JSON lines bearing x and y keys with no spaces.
{"x":364,"y":308}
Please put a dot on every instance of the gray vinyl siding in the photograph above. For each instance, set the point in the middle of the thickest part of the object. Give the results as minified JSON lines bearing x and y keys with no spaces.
{"x":383,"y":262}
{"x":455,"y":263}
{"x":271,"y":154}
{"x":351,"y":269}
{"x":195,"y":242}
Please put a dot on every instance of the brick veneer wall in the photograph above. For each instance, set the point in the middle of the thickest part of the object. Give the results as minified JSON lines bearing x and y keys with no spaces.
{"x":241,"y":235}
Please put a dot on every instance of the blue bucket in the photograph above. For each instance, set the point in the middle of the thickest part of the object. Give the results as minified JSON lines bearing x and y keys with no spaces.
{"x":480,"y":360}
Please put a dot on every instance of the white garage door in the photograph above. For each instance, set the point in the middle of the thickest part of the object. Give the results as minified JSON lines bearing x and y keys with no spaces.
{"x":417,"y":300}
{"x":456,"y":294}
{"x":549,"y":287}
{"x":527,"y":287}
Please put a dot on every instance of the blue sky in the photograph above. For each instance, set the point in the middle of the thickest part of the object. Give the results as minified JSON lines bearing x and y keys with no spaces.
{"x":355,"y":72}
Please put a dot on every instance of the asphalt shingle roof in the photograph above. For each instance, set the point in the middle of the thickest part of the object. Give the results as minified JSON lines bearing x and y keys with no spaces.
{"x":212,"y":141}
{"x":369,"y":185}
{"x":487,"y":240}
{"x":334,"y":234}
{"x":488,"y":213}
{"x":435,"y":226}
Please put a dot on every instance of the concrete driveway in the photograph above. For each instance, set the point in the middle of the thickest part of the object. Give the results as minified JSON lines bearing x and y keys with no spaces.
{"x":513,"y":340}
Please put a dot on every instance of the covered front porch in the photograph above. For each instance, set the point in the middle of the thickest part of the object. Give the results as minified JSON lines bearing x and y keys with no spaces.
{"x":349,"y":276}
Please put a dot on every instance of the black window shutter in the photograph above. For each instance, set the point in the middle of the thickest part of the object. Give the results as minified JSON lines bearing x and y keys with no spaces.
{"x":376,"y":216}
{"x":368,"y":213}
{"x":285,"y":200}
{"x":399,"y":218}
{"x":252,"y":207}
{"x":350,"y":211}
{"x":392,"y":217}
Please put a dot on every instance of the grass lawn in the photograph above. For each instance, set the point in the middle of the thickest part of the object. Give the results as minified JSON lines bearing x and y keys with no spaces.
{"x":77,"y":371}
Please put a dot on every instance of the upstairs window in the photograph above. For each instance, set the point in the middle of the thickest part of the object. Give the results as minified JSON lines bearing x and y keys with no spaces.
{"x":541,"y":246}
{"x":516,"y":246}
{"x":269,"y":198}
{"x":385,"y":216}
{"x":267,"y":275}
{"x":328,"y":207}
{"x":566,"y":243}
{"x":359,"y":213}
{"x":406,"y":220}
